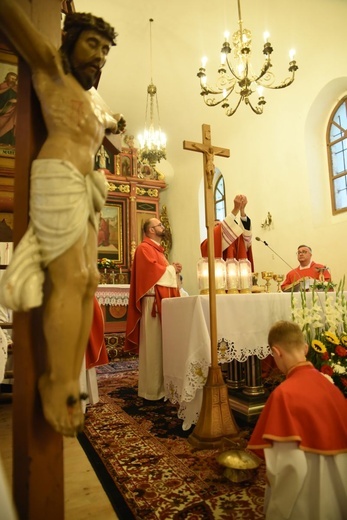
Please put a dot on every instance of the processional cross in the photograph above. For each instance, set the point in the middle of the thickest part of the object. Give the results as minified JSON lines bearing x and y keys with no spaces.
{"x":215,"y":420}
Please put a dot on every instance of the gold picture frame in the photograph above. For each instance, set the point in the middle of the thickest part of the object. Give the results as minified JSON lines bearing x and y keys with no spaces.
{"x":110,"y":233}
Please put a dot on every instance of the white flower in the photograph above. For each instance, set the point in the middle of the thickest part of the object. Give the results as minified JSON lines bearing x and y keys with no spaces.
{"x":338,"y":369}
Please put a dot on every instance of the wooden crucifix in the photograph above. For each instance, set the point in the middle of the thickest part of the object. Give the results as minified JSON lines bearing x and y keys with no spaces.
{"x":216,"y":420}
{"x":38,"y":463}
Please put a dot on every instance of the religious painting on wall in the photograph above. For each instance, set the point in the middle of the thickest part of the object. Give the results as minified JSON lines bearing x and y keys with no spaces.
{"x":125,"y":165}
{"x":8,"y":107}
{"x":110,"y":234}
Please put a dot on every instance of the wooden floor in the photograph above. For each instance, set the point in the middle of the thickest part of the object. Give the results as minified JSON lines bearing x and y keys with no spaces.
{"x":84,"y":495}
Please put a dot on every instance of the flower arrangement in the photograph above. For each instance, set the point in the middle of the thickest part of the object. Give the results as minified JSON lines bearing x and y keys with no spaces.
{"x":323,"y":319}
{"x":106,"y":263}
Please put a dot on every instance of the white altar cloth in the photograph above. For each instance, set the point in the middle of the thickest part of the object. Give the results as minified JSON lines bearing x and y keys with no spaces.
{"x":113,"y":294}
{"x":243,"y":323}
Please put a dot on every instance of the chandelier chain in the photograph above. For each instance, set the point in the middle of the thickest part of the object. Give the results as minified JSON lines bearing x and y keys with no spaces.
{"x":152,"y":141}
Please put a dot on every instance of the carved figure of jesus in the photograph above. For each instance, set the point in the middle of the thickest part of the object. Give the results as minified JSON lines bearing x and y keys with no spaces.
{"x":66,"y":198}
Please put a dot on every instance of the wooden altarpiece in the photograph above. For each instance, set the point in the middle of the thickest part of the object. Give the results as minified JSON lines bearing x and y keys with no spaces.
{"x":134,"y":186}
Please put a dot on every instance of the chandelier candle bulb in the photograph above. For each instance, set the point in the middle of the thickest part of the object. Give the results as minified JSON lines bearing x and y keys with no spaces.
{"x":260,"y":91}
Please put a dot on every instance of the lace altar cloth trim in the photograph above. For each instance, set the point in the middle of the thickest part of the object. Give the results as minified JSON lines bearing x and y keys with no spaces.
{"x":196,"y":375}
{"x":112,"y":298}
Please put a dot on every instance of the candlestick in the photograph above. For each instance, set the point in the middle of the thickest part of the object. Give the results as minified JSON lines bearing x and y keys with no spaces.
{"x":245,"y":275}
{"x":202,"y":269}
{"x":232,"y":269}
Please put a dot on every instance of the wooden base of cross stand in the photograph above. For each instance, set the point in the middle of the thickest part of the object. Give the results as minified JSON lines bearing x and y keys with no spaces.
{"x":216,"y":421}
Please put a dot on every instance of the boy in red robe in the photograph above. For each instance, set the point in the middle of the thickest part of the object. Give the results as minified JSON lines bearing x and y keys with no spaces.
{"x":302,"y":433}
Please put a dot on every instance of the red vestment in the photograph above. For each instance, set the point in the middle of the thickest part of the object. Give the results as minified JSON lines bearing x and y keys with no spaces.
{"x":237,"y":246}
{"x":309,"y":272}
{"x":302,"y":433}
{"x":306,"y":408}
{"x":148,"y":267}
{"x":96,"y":353}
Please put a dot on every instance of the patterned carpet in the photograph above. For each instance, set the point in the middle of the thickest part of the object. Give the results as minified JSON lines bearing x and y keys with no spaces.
{"x":146,"y":465}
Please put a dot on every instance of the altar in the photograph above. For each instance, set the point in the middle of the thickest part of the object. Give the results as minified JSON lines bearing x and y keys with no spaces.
{"x":243,"y":323}
{"x":113,"y":300}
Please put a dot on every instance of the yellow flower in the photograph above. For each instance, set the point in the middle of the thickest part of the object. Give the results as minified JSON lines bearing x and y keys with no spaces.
{"x":344,"y":340}
{"x":318,"y":346}
{"x":332,"y":338}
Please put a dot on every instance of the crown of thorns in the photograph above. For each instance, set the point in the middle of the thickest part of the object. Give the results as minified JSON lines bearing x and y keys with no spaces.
{"x":85,"y":21}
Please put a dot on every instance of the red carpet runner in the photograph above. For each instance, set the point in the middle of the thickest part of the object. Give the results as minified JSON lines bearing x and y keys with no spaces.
{"x":146,"y":465}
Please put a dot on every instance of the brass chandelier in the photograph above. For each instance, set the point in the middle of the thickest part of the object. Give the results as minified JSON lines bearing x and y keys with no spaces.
{"x":153,"y":140}
{"x":236,"y":73}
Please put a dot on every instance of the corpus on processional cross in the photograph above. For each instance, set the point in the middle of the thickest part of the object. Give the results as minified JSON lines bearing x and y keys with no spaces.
{"x":215,"y":420}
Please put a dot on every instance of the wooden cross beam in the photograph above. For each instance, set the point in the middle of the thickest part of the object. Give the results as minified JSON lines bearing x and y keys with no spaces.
{"x":215,"y":420}
{"x":38,"y":463}
{"x":209,"y":152}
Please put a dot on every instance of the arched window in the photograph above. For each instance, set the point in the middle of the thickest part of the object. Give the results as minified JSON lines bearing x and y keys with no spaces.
{"x":219,"y":199}
{"x":337,"y":156}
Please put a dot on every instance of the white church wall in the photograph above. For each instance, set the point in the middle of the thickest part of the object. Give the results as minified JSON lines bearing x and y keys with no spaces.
{"x":278,"y":158}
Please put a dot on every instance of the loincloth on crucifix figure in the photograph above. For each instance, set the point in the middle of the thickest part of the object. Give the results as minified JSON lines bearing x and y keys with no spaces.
{"x":62,"y":201}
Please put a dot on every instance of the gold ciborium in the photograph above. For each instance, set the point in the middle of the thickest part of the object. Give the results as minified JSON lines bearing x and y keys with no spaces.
{"x":267,"y":275}
{"x":279,"y":279}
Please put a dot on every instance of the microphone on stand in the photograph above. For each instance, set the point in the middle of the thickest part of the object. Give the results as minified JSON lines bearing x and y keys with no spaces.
{"x":266,"y":244}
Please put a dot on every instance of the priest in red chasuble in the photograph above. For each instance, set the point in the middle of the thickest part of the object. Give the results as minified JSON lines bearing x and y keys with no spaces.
{"x":302,"y":433}
{"x":152,"y":279}
{"x":307,"y":269}
{"x":233,"y":236}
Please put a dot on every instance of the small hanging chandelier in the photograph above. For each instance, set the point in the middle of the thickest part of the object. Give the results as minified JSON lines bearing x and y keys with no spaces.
{"x":236,"y":73}
{"x":152,"y":141}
